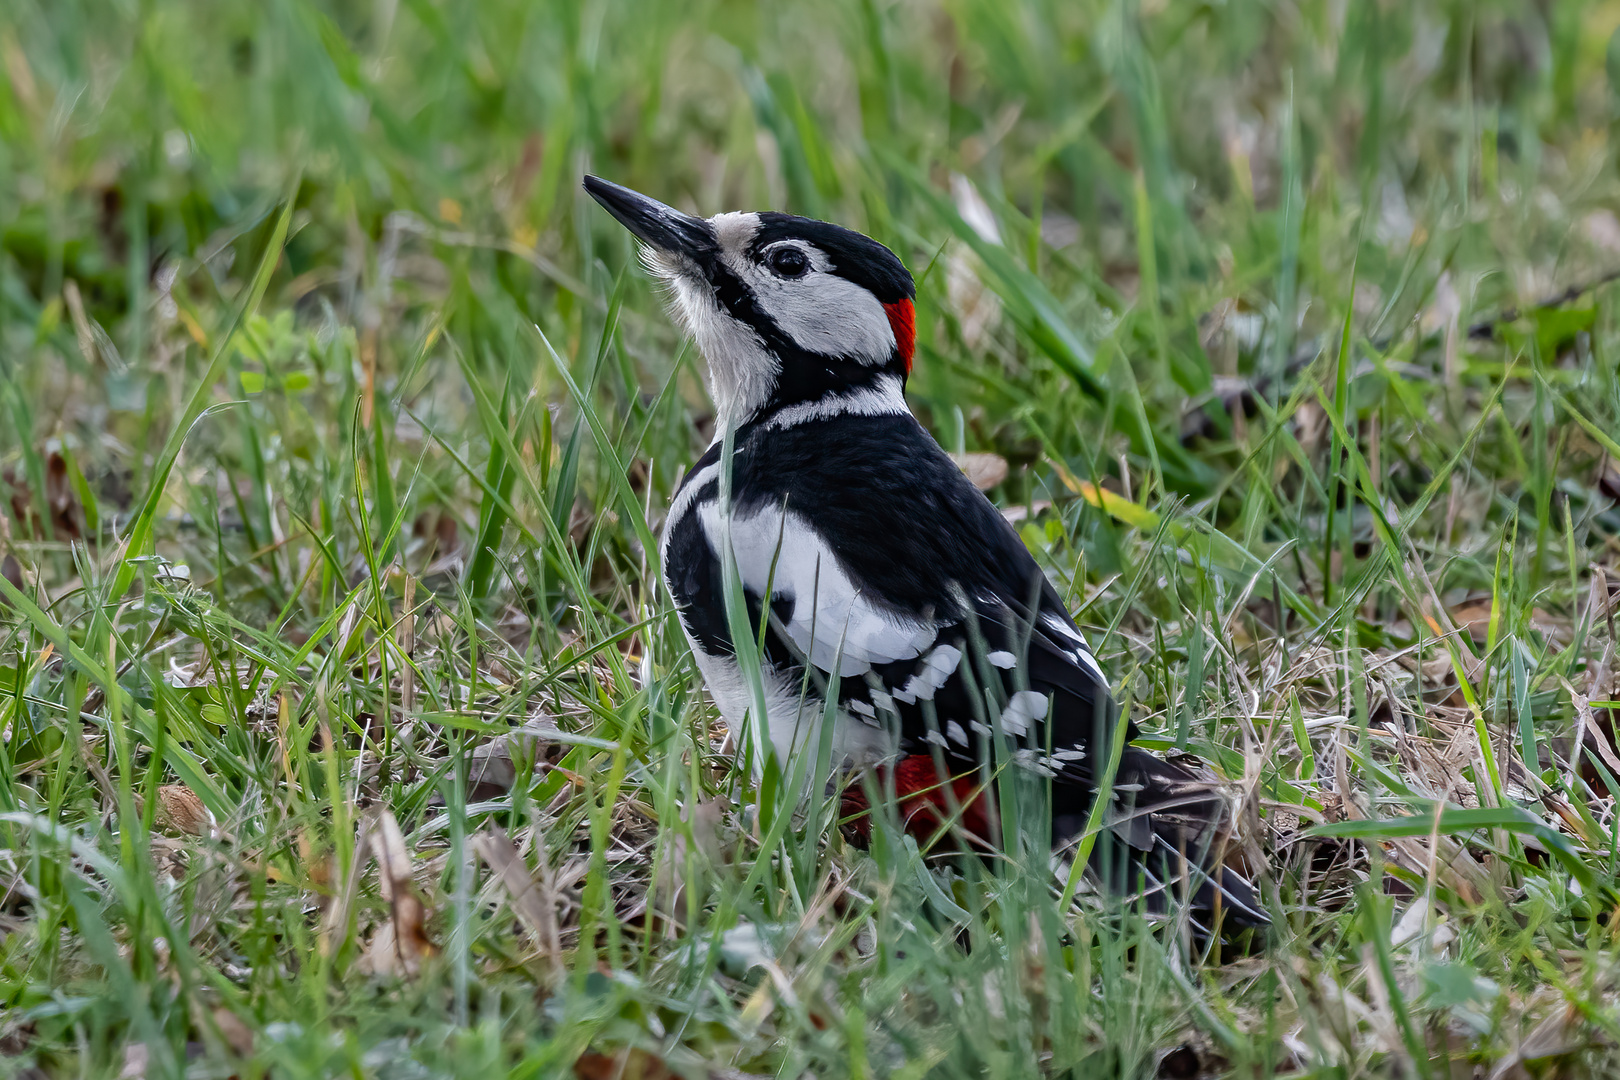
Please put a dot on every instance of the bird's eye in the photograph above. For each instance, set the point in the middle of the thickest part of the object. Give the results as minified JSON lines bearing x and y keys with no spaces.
{"x":788,"y":262}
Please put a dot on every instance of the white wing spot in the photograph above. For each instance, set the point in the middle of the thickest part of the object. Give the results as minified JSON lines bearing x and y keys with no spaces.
{"x":1024,"y":709}
{"x":1079,"y":651}
{"x":1003,"y":659}
{"x":935,"y":737}
{"x":1070,"y":755}
{"x":882,"y":700}
{"x":1030,"y":761}
{"x":1058,"y":625}
{"x":938,"y":667}
{"x":955,"y":732}
{"x":861,"y":708}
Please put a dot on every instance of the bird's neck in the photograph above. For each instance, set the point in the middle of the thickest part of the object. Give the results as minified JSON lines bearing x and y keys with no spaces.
{"x":805,"y":389}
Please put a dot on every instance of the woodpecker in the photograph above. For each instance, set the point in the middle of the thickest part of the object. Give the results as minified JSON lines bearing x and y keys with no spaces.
{"x":875,"y":572}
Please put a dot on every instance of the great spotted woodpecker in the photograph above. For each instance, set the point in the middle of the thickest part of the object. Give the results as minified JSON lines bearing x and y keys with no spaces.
{"x":878,"y":569}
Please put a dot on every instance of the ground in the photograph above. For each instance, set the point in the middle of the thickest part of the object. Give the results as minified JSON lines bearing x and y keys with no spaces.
{"x":346,"y":729}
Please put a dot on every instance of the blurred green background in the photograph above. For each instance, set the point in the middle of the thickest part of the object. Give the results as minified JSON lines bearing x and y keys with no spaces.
{"x":1040,"y":167}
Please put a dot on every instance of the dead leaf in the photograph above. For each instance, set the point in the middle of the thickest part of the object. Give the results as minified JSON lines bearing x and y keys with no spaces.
{"x":1474,"y":617}
{"x":492,"y":767}
{"x":401,"y":944}
{"x":236,"y":1034}
{"x":335,"y":925}
{"x":1015,"y":514}
{"x":61,"y":502}
{"x":11,"y":570}
{"x":136,"y":1059}
{"x":708,"y":821}
{"x":437,"y":534}
{"x":81,"y":322}
{"x":1558,"y":1034}
{"x":530,"y":895}
{"x":179,"y":810}
{"x":985,"y":471}
{"x":628,"y":1064}
{"x":1435,"y":616}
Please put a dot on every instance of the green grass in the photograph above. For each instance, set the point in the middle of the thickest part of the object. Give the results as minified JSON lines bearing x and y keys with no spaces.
{"x":338,"y":426}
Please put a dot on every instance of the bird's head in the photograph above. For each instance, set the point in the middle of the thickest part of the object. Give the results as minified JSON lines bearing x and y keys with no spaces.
{"x":789,"y":312}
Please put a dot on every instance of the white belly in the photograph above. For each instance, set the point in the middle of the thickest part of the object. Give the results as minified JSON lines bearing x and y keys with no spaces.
{"x":793,"y":719}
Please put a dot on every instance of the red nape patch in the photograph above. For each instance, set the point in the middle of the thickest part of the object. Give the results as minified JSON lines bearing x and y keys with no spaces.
{"x":903,"y":321}
{"x":926,"y":803}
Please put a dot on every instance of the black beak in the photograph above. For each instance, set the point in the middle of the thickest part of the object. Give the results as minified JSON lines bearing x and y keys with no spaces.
{"x":653,"y":223}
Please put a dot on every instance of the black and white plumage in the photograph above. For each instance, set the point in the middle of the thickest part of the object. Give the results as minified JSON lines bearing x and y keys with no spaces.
{"x":875,"y":564}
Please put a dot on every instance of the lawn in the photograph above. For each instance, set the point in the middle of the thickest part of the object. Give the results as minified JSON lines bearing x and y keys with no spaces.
{"x":345,"y":727}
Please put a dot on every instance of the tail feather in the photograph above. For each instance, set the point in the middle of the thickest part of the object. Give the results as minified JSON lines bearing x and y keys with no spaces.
{"x":1165,"y":845}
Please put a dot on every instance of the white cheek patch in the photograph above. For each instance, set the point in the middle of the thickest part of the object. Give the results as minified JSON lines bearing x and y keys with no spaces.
{"x":827,"y":315}
{"x":821,"y":312}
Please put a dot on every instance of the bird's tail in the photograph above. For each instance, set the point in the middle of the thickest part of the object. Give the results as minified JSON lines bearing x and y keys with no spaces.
{"x":1165,"y":841}
{"x":1166,"y":845}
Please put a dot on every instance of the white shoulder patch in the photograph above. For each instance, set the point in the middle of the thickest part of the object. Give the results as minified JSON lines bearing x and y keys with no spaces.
{"x":781,"y":553}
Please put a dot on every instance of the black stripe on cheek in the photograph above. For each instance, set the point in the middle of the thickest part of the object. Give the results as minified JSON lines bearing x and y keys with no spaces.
{"x":741,"y":304}
{"x":804,"y":376}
